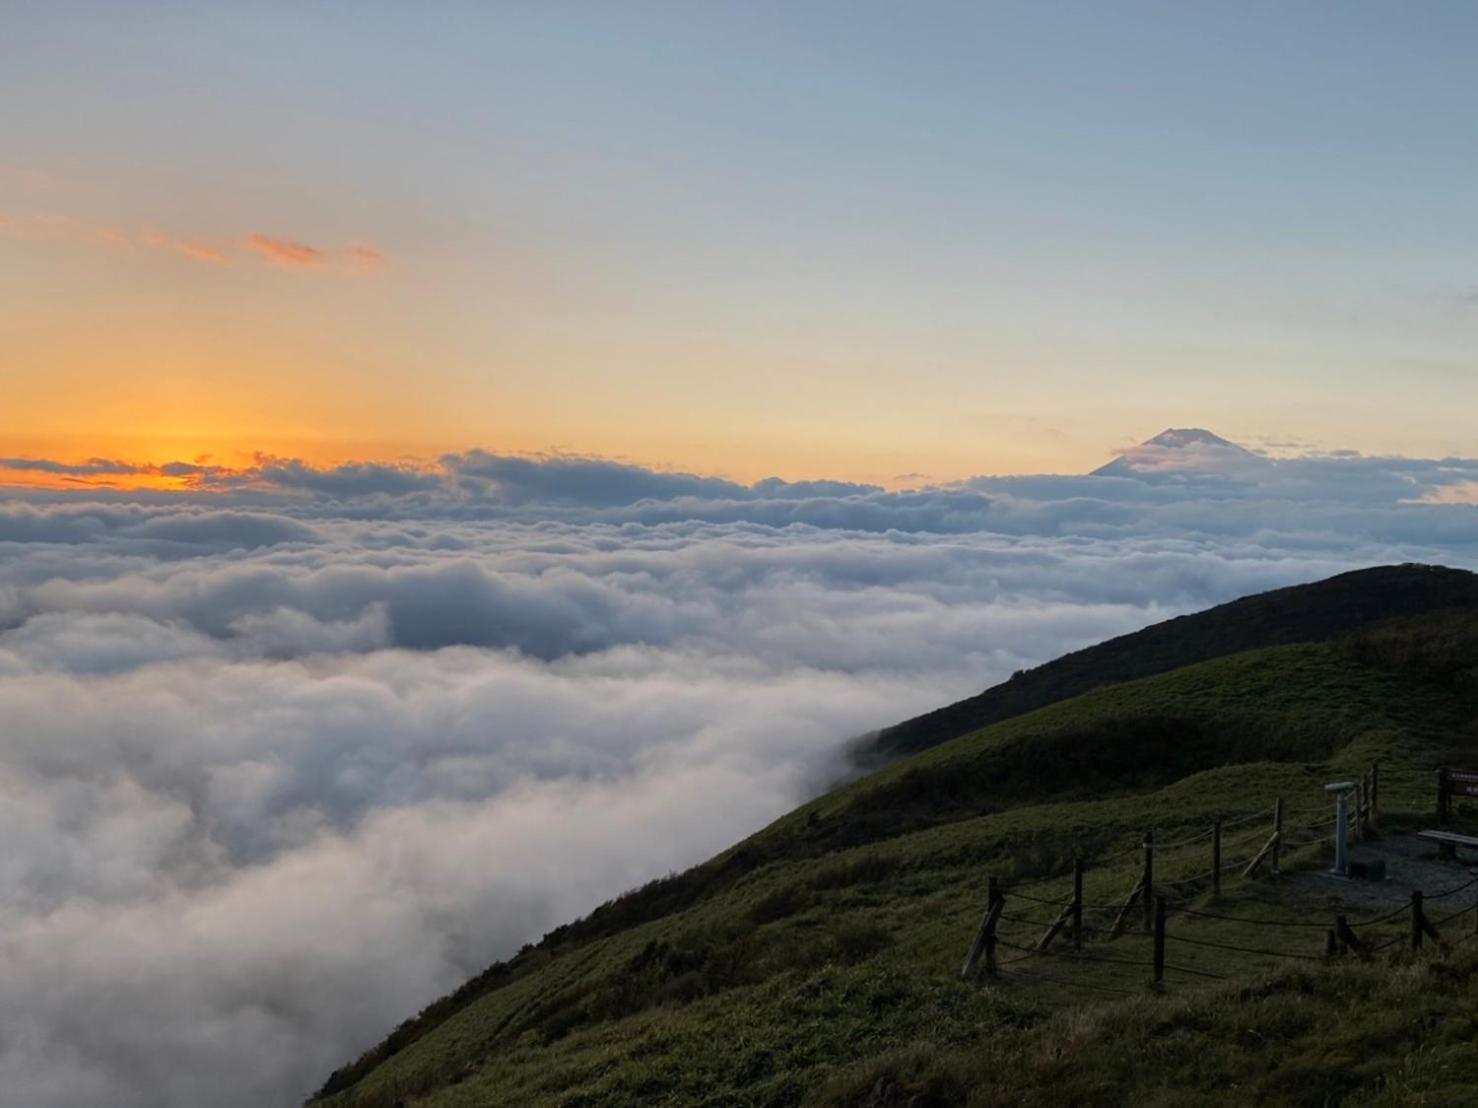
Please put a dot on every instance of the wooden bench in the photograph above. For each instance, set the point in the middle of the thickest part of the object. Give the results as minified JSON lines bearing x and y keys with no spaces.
{"x":1448,"y":841}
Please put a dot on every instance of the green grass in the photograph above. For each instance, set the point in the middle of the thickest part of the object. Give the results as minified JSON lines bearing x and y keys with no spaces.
{"x":1394,"y":1033}
{"x":819,"y":959}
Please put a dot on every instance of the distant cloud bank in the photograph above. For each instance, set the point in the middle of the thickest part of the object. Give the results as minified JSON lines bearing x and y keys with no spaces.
{"x":480,"y":484}
{"x":292,"y":752}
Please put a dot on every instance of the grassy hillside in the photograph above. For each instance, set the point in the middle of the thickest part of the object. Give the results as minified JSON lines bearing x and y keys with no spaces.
{"x":1303,"y":613}
{"x":1394,"y":1032}
{"x":818,"y":961}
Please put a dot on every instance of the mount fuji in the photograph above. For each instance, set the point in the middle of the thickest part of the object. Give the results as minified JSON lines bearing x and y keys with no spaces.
{"x":1187,"y":451}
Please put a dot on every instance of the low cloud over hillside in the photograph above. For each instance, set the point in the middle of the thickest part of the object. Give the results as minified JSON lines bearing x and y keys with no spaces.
{"x":291,"y":754}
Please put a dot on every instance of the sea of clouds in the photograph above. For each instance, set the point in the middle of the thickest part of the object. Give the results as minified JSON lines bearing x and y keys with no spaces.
{"x":287,"y":757}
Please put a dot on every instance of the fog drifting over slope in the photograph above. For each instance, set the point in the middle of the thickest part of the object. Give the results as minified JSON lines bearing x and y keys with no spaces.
{"x":283,"y":761}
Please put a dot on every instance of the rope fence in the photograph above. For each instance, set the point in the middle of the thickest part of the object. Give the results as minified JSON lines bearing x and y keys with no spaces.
{"x":1062,"y":936}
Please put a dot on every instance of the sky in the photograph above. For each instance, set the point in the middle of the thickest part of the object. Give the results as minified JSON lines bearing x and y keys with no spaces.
{"x":856,"y":241}
{"x":461,"y":462}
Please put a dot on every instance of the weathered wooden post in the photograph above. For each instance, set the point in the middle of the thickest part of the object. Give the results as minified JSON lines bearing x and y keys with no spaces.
{"x":1416,"y":919}
{"x":1159,"y":941}
{"x":990,"y":937}
{"x":1216,"y":858}
{"x":1277,"y":831}
{"x":1149,"y":880}
{"x":999,"y":900}
{"x":1348,"y":940}
{"x":1359,"y":809}
{"x":985,"y":938}
{"x":1443,"y":786}
{"x":1077,"y":903}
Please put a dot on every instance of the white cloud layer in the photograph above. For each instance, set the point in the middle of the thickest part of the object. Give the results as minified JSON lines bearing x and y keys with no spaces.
{"x":282,"y":763}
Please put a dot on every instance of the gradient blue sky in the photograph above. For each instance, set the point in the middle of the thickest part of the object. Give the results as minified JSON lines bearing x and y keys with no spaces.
{"x":857,"y":240}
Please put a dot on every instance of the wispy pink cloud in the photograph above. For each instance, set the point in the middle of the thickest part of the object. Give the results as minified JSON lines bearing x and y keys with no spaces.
{"x":190,"y":248}
{"x":275,"y":250}
{"x":286,"y":252}
{"x":366,"y":259}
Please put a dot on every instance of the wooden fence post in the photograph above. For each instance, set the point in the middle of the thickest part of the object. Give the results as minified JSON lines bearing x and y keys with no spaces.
{"x":1359,"y":809}
{"x":1149,"y":880}
{"x":998,"y":898}
{"x":985,"y":938}
{"x":1216,"y":858}
{"x":990,"y":937}
{"x":1159,"y":940}
{"x":1077,"y":903}
{"x":1277,"y":831}
{"x":1419,"y":913}
{"x":1416,"y":919}
{"x":1348,"y":940}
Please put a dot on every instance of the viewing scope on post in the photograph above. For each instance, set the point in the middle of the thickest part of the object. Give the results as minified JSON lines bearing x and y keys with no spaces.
{"x":1341,"y":791}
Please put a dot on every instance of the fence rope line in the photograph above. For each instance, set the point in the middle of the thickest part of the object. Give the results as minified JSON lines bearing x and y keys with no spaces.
{"x":1261,"y":814}
{"x":1295,"y":844}
{"x":1454,"y":889}
{"x":1196,"y":972}
{"x":1192,"y":880}
{"x":1450,"y":916}
{"x":1180,"y":910}
{"x":1079,"y":956}
{"x":1371,"y":922}
{"x":1028,"y":950}
{"x":1033,"y":899}
{"x":1088,"y":930}
{"x":1155,"y":847}
{"x":1025,"y":920}
{"x":1243,"y":949}
{"x":1322,"y":814}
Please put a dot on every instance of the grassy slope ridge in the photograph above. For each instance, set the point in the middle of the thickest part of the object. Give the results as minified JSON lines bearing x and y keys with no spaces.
{"x":818,"y":959}
{"x":1301,"y":613}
